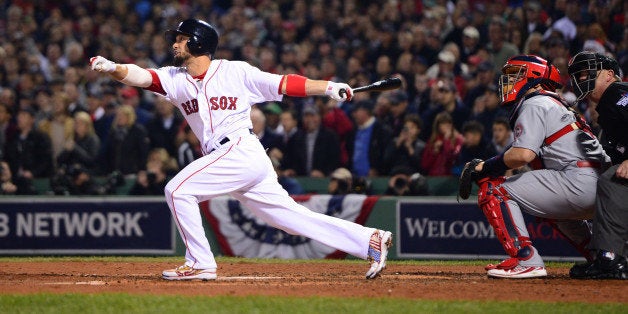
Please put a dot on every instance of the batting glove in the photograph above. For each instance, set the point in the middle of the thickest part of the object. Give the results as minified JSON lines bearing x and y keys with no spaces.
{"x":101,"y":64}
{"x":339,"y":91}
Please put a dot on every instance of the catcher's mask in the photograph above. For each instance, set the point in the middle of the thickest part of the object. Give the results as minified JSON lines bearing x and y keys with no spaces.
{"x":520,"y":73}
{"x":584,"y":68}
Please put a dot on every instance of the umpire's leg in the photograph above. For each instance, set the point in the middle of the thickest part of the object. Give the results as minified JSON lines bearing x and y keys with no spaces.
{"x":610,"y":224}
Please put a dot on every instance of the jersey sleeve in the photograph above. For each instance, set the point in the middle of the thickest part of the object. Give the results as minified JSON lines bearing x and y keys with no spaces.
{"x":163,"y":81}
{"x":264,"y":86}
{"x":530,"y":128}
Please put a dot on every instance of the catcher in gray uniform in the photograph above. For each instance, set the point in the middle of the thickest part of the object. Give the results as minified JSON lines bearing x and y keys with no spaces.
{"x":567,"y":158}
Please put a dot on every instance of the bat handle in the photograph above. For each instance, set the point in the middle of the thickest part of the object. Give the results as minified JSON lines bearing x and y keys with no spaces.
{"x":342,"y":92}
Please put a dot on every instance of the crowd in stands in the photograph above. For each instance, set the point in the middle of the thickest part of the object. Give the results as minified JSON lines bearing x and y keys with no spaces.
{"x":63,"y":121}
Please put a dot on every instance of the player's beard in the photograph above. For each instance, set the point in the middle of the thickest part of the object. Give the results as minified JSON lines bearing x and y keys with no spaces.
{"x":181,"y":58}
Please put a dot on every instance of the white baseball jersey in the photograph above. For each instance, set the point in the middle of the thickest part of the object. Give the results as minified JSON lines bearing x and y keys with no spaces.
{"x":220,"y":102}
{"x":217,"y":107}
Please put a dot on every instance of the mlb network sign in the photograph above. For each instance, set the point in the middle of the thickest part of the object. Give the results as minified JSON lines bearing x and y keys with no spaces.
{"x":449,"y":230}
{"x":85,"y":226}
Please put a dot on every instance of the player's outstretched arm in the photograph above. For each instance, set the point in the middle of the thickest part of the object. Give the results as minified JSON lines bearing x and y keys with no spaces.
{"x":129,"y":74}
{"x":300,"y":86}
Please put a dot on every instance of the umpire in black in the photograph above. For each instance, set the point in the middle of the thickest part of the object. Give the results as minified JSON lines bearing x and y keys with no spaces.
{"x":598,"y":78}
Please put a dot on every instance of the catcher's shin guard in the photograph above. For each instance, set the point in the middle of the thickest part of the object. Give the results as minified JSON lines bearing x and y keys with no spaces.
{"x":492,"y":199}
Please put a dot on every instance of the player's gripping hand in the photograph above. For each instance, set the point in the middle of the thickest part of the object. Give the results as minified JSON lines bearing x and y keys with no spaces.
{"x":339,"y":91}
{"x":101,"y":64}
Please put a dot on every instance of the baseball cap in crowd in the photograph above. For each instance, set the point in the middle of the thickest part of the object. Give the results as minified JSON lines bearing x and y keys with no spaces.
{"x":485,"y":66}
{"x":128,"y":92}
{"x":363,"y":104}
{"x":272,"y":107}
{"x":342,"y":174}
{"x":443,"y":85}
{"x":397,"y":97}
{"x":471,"y":32}
{"x":446,"y":56}
{"x":309,"y":109}
{"x":289,"y":25}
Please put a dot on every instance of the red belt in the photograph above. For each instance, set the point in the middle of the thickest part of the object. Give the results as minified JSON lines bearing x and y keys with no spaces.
{"x":588,"y":164}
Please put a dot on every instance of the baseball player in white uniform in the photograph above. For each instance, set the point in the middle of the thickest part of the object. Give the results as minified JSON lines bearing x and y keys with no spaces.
{"x":557,"y":142}
{"x":215,"y":97}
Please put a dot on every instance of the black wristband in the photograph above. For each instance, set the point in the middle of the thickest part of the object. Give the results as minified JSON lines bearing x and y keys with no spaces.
{"x":495,"y":167}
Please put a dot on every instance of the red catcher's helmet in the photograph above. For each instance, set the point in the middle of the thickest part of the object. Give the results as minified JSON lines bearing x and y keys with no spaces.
{"x":520,"y":73}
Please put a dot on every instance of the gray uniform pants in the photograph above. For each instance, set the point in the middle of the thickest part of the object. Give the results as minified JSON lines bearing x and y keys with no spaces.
{"x":566,"y":197}
{"x":610,"y":224}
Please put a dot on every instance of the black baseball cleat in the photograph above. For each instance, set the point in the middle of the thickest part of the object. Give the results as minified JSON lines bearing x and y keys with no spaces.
{"x":606,"y":266}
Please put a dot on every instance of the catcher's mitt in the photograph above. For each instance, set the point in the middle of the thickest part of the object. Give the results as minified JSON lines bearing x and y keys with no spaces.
{"x":467,"y":177}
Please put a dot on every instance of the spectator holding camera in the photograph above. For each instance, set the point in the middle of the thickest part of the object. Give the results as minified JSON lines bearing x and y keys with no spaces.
{"x":6,"y":185}
{"x":406,"y":149}
{"x":160,"y":168}
{"x":83,"y":148}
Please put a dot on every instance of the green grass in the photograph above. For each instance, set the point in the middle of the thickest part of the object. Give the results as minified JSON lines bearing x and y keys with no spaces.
{"x":124,"y":303}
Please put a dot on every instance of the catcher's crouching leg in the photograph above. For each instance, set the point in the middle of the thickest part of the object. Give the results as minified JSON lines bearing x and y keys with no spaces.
{"x":492,"y":199}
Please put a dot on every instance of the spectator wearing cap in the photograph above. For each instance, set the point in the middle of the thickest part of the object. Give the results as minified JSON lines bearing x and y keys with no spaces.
{"x":340,"y":182}
{"x":446,"y":63}
{"x":398,"y":109}
{"x":447,"y":100}
{"x":367,"y":142}
{"x":270,"y":140}
{"x":131,"y":96}
{"x":102,"y":112}
{"x":314,"y":151}
{"x":499,"y":49}
{"x":470,"y":43}
{"x":29,"y":153}
{"x":272,"y":111}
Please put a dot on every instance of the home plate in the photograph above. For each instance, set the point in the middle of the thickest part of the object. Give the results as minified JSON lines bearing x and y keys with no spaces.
{"x":234,"y":278}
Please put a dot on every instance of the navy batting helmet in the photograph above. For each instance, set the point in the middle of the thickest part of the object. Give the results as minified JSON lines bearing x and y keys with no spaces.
{"x":203,"y":36}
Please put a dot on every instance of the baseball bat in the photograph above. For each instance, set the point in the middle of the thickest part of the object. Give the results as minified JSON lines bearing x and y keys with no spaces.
{"x":379,"y":86}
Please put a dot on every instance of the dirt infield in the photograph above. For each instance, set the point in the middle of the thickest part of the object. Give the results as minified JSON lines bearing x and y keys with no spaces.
{"x":306,"y":279}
